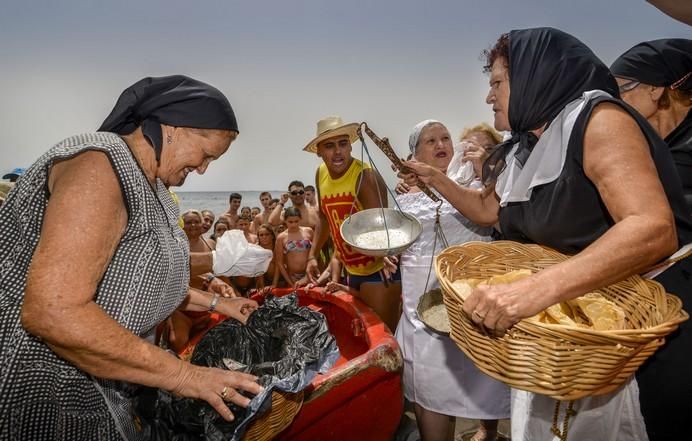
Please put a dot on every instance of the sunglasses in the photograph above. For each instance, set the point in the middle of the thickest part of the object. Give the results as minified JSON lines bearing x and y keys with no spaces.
{"x":297,"y":192}
{"x":628,"y":86}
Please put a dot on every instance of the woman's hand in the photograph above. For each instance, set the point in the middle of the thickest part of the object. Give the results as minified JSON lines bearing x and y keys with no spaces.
{"x":216,"y":387}
{"x":475,"y":153}
{"x":238,"y":308}
{"x":222,"y":288}
{"x":496,"y":308}
{"x":421,"y":173}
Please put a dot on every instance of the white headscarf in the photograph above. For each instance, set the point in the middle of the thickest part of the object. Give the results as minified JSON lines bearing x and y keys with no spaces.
{"x":417,"y":129}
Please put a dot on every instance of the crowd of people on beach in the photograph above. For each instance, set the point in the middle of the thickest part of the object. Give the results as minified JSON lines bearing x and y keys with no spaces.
{"x":589,"y":160}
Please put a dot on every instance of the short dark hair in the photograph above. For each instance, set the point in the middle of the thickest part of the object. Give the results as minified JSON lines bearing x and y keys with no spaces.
{"x":235,"y":196}
{"x":310,"y":187}
{"x":245,"y":218}
{"x":274,"y":201}
{"x":291,"y":212}
{"x":500,"y":49}
{"x":295,"y":184}
{"x":266,"y":193}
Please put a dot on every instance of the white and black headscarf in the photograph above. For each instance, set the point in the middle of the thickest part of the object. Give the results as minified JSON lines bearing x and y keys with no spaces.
{"x":548,"y":69}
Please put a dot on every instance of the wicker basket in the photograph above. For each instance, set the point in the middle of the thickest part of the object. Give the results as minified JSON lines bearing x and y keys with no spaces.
{"x":563,"y":362}
{"x":284,"y":408}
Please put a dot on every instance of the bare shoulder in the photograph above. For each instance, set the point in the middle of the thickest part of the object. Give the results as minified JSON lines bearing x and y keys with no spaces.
{"x":91,"y":164}
{"x":609,"y":121}
{"x":87,"y":183}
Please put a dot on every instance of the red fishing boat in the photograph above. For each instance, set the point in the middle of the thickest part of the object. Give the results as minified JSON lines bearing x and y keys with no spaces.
{"x":360,"y":397}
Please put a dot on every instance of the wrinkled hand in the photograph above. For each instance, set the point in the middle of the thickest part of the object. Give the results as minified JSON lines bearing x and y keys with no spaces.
{"x":209,"y":384}
{"x":238,"y":308}
{"x":390,"y":265}
{"x":496,"y":308}
{"x":312,"y":270}
{"x":476,"y":154}
{"x":222,"y":288}
{"x":422,"y":172}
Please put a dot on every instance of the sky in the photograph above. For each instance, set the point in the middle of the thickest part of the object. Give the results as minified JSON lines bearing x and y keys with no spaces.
{"x":283,"y":64}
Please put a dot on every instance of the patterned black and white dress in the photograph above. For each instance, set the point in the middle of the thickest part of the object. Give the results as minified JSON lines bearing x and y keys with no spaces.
{"x":42,"y":396}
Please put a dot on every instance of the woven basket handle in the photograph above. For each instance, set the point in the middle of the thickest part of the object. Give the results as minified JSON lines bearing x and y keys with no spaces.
{"x":658,"y":268}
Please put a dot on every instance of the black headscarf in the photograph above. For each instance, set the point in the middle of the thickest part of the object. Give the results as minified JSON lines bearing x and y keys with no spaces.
{"x":663,"y":63}
{"x":175,"y":100}
{"x":548,"y":69}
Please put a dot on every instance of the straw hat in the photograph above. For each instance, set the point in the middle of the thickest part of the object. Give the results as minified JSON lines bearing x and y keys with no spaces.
{"x":5,"y":188}
{"x":330,"y":127}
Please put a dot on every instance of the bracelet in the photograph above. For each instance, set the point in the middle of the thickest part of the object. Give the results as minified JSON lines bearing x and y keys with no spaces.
{"x":312,"y":258}
{"x":214,"y":301}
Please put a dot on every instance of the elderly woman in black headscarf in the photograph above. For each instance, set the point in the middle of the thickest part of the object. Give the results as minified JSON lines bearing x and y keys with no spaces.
{"x":585,"y":174}
{"x":93,"y":259}
{"x":655,"y":77}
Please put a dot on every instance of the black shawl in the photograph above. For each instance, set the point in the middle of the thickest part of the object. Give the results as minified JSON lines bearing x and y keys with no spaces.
{"x":548,"y":68}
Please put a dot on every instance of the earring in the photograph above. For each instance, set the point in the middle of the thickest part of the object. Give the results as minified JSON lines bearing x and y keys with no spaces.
{"x":169,"y":139}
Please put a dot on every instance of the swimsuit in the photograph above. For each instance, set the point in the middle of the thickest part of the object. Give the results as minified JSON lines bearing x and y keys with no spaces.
{"x":297,"y":245}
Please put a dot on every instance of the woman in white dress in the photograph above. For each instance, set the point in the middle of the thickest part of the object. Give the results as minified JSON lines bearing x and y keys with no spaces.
{"x":438,"y":378}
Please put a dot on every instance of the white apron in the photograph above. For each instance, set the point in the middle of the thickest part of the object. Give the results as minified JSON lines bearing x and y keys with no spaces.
{"x":437,"y":374}
{"x":611,"y":417}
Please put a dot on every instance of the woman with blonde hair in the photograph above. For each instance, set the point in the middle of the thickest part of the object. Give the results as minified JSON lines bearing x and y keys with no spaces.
{"x":475,"y":143}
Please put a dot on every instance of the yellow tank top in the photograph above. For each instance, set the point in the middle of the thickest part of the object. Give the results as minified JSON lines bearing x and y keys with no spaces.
{"x":337,"y":196}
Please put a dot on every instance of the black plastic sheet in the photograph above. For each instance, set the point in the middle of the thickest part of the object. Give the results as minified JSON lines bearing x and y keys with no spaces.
{"x":283,"y":344}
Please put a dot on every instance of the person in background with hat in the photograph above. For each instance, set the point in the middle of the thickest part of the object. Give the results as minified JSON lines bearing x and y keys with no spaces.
{"x":344,"y":186}
{"x":94,"y":259}
{"x":655,"y":77}
{"x":586,"y":175}
{"x":5,"y":188}
{"x":14,"y":174}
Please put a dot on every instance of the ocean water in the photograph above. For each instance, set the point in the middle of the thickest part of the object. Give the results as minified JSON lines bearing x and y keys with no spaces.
{"x":217,"y":201}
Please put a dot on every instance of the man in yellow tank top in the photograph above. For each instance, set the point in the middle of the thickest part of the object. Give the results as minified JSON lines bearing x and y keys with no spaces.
{"x":339,"y":194}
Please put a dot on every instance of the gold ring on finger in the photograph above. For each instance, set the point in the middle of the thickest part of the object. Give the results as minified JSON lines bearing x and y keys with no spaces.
{"x":224,"y":392}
